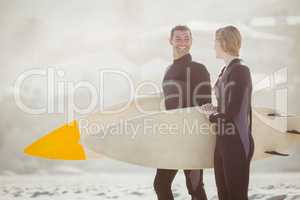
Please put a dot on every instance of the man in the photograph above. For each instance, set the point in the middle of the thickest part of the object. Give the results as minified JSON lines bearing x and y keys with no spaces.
{"x":186,"y":84}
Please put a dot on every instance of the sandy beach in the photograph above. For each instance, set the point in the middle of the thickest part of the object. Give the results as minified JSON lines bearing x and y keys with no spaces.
{"x":128,"y":186}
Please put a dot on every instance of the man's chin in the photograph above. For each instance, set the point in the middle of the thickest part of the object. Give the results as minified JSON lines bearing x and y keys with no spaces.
{"x":182,"y":51}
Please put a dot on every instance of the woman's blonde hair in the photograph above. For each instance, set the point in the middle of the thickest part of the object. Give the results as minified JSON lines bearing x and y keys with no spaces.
{"x":230,"y":39}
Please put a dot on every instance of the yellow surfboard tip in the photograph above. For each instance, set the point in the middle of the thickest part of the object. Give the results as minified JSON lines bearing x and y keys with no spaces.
{"x":60,"y":144}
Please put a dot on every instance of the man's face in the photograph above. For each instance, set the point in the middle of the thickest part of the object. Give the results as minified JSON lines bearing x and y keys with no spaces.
{"x":181,"y":41}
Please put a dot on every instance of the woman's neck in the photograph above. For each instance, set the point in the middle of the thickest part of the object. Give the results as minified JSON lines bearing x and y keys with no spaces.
{"x":228,"y":58}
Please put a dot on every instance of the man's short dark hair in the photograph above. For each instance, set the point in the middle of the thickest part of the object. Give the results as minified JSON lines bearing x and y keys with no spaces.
{"x":180,"y":28}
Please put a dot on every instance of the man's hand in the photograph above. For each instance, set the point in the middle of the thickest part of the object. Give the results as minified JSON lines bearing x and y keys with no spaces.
{"x":208,"y":108}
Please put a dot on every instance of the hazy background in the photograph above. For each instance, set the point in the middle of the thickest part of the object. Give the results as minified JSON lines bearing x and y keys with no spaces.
{"x":83,"y":37}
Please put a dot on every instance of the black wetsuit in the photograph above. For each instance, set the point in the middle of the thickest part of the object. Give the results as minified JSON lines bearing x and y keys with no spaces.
{"x":234,"y":145}
{"x":186,"y":84}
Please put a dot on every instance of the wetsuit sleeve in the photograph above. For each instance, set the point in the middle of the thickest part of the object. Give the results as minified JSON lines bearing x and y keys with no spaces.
{"x":237,"y":84}
{"x":174,"y":88}
{"x":175,"y":94}
{"x":201,"y":88}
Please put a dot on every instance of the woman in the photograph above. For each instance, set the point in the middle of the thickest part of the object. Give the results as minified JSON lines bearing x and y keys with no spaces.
{"x":234,"y":145}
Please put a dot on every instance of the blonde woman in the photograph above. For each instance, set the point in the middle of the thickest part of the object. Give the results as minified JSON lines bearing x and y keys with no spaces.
{"x":234,"y":145}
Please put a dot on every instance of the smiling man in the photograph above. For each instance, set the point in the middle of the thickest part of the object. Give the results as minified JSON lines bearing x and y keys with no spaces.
{"x":186,"y":83}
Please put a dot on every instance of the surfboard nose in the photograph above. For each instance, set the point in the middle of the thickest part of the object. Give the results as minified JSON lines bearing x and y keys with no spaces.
{"x":60,"y":144}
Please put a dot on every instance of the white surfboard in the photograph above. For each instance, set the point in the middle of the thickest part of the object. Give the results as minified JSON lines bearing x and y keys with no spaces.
{"x":147,"y":141}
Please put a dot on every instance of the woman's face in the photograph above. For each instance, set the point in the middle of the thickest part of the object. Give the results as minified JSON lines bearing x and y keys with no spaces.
{"x":218,"y":49}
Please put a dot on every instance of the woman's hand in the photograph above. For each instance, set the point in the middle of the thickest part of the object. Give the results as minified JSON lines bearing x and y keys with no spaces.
{"x":214,"y":117}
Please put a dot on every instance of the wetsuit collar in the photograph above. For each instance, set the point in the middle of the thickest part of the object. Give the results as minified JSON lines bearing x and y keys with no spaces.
{"x":184,"y":59}
{"x":234,"y":61}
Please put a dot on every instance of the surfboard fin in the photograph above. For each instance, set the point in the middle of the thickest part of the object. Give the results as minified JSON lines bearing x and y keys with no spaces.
{"x":293,"y":132}
{"x":275,"y":153}
{"x":60,"y":144}
{"x":272,"y":114}
{"x":279,"y":115}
